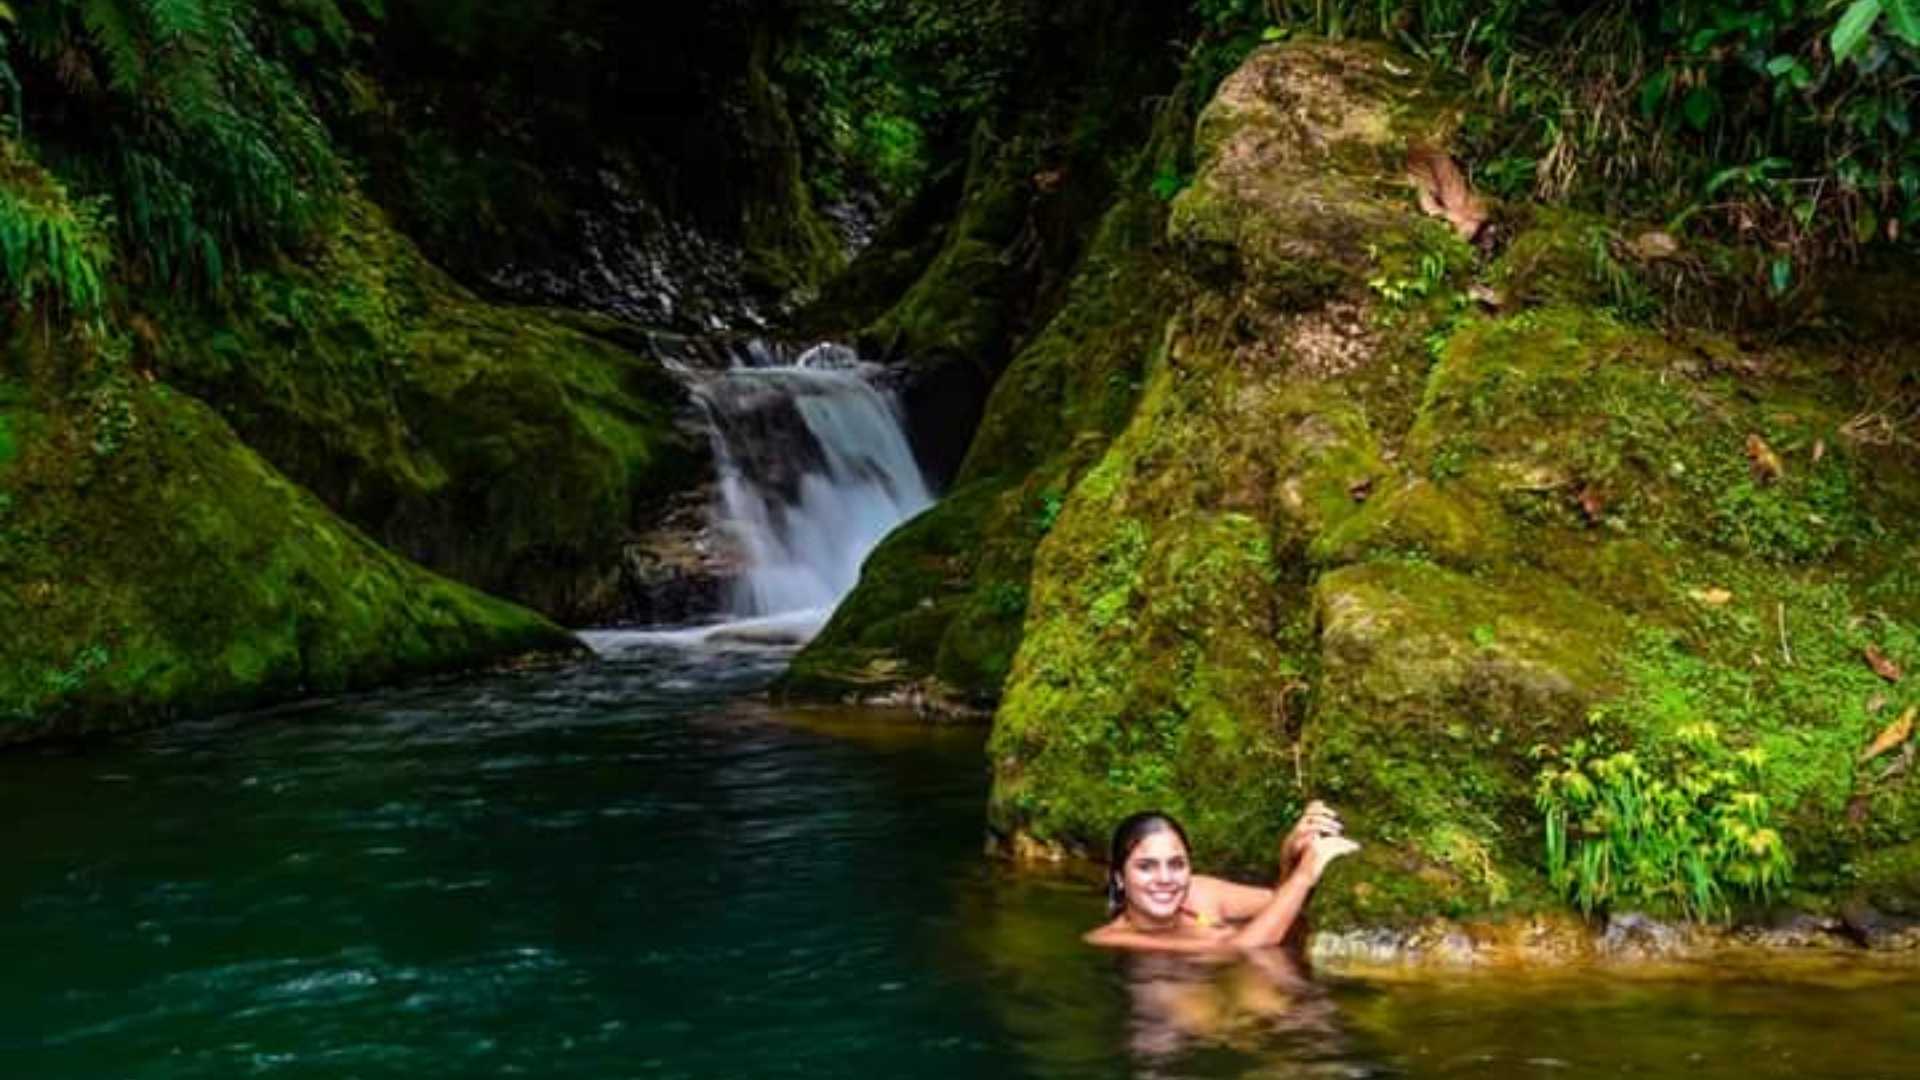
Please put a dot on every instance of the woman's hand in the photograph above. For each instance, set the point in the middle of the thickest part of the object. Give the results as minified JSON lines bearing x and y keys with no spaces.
{"x":1322,"y":850}
{"x":1318,"y":820}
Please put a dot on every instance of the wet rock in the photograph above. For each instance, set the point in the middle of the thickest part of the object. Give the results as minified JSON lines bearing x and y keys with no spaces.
{"x":1795,"y":930}
{"x":1878,"y":931}
{"x":1632,"y":935}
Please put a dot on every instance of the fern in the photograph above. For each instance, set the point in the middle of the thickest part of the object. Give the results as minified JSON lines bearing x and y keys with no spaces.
{"x":50,"y":246}
{"x":210,"y":150}
{"x":177,"y":20}
{"x":113,"y":25}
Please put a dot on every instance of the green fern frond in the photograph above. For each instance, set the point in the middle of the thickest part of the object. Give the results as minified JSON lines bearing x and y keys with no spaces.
{"x":174,"y":21}
{"x":51,"y":247}
{"x":114,"y":28}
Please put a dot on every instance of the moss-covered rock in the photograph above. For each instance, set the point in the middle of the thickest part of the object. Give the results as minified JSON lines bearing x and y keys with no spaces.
{"x":959,"y":574}
{"x":499,"y":446}
{"x":1167,"y":657}
{"x":154,"y":566}
{"x":1361,"y":543}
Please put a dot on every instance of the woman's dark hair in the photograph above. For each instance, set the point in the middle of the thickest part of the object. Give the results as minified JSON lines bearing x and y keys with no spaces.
{"x":1127,"y":836}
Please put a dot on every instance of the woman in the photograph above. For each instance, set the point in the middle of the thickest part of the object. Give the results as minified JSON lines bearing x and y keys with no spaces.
{"x":1158,"y":903}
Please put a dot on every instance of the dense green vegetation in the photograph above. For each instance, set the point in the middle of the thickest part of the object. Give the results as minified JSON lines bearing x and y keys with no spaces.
{"x":173,"y":120}
{"x":1786,"y":124}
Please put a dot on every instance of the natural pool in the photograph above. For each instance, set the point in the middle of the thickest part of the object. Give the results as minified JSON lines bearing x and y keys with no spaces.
{"x":630,"y":868}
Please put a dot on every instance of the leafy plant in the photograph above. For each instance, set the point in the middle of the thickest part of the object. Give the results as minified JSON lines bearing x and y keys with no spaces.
{"x":884,"y":82}
{"x":205,"y":144}
{"x":1167,"y":183}
{"x":51,"y":247}
{"x":1677,"y":827}
{"x":1048,"y":512}
{"x":1783,"y":123}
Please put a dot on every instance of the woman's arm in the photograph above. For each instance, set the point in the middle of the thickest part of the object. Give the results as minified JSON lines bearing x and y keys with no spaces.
{"x":1270,"y":926}
{"x":1230,"y":899}
{"x":1234,"y":902}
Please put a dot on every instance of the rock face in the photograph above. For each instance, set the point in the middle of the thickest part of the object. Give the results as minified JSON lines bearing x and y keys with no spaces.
{"x":941,"y":602}
{"x":513,"y":449}
{"x":159,"y":560}
{"x":155,"y":567}
{"x":1358,"y":538}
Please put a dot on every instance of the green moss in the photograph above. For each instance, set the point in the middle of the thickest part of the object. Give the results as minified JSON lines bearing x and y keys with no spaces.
{"x":1778,"y":668}
{"x":1889,"y":879}
{"x":957,"y":578}
{"x":790,"y":247}
{"x":1372,"y":548}
{"x":495,"y":445}
{"x":1166,"y":658}
{"x":1092,"y":723}
{"x":1434,"y":688}
{"x":10,"y":400}
{"x":206,"y":581}
{"x":1420,"y":520}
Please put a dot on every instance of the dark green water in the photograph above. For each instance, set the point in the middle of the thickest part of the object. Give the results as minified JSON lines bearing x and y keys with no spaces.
{"x":629,"y":869}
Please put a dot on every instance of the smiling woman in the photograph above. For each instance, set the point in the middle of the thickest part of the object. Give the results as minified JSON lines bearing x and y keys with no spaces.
{"x":1157,"y":902}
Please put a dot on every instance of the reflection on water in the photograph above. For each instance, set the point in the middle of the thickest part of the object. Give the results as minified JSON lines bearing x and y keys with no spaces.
{"x":1258,"y":1003}
{"x":633,"y":868}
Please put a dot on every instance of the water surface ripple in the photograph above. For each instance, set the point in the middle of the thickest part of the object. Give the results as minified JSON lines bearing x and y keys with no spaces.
{"x":629,"y":868}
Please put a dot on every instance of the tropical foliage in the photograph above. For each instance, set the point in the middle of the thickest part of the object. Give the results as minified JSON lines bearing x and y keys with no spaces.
{"x":1683,"y":828}
{"x":886,"y":84}
{"x":1784,"y":123}
{"x":51,"y":248}
{"x":178,"y":116}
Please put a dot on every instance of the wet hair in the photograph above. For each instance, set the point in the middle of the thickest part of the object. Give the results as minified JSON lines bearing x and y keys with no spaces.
{"x":1127,"y":836}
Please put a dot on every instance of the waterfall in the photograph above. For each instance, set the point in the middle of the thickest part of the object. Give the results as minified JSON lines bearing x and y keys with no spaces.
{"x":814,"y":470}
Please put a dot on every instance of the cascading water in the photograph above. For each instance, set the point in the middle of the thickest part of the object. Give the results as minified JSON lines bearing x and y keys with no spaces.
{"x":814,"y":470}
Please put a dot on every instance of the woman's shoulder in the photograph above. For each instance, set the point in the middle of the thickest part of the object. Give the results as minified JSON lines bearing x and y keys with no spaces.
{"x":1195,"y":940}
{"x":1205,"y":893}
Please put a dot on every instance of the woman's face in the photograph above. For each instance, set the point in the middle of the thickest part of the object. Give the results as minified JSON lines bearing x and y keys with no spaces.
{"x":1156,"y":876}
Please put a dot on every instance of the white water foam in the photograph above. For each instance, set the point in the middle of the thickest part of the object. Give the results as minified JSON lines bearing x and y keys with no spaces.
{"x":815,"y":470}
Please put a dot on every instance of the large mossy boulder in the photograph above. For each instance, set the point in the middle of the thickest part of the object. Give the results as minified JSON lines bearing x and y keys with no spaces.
{"x":1361,"y":541}
{"x":508,"y":448}
{"x":152,"y":567}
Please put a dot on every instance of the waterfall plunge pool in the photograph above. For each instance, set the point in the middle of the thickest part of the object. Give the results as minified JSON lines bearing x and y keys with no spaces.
{"x":634,"y":868}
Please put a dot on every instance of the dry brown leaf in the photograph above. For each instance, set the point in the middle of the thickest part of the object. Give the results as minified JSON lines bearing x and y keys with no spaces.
{"x":1655,"y":245}
{"x":1486,"y":296}
{"x":1882,"y":666}
{"x":1892,"y":735}
{"x":1443,"y":190}
{"x":1766,"y":463}
{"x":1898,"y":767}
{"x":1592,"y":504}
{"x":1819,"y":450}
{"x":1714,"y":597}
